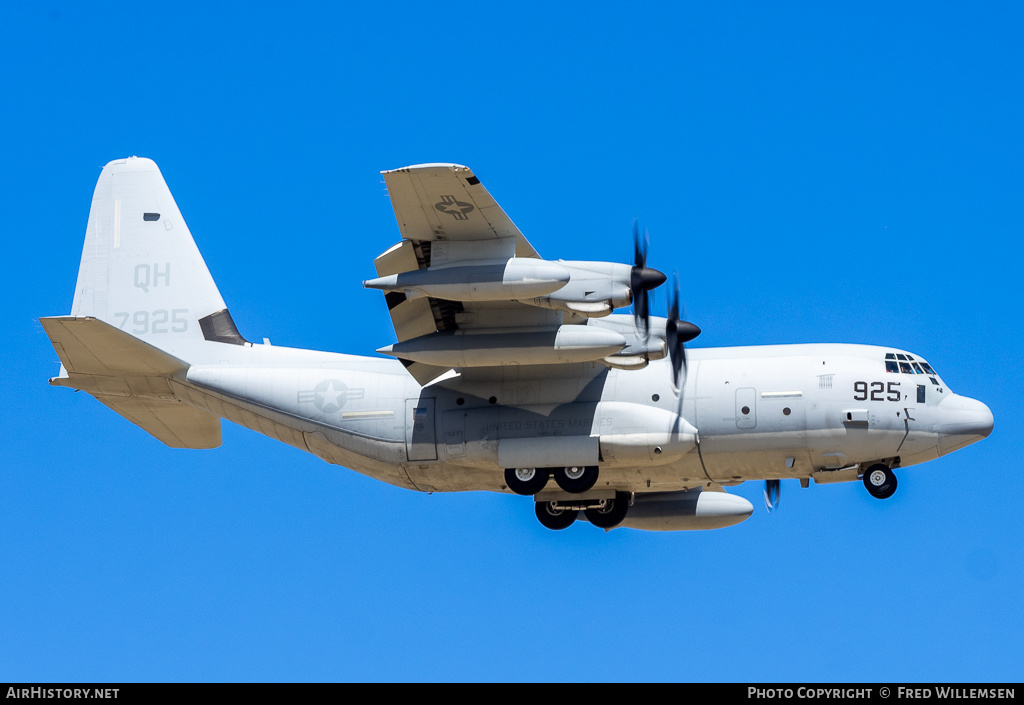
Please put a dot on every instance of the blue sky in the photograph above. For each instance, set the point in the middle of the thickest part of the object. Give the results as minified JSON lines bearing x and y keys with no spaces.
{"x":814,"y":172}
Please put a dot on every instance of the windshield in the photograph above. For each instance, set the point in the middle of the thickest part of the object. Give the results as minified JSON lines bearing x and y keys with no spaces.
{"x":904,"y":363}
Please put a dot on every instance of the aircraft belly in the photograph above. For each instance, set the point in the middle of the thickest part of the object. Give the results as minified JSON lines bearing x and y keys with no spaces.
{"x":450,"y":477}
{"x":728,"y":461}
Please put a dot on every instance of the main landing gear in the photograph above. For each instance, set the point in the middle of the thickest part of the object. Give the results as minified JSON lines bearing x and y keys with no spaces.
{"x":602,"y":513}
{"x":526,"y":481}
{"x":530,"y":481}
{"x":880,"y":481}
{"x":605,"y":513}
{"x":576,"y":479}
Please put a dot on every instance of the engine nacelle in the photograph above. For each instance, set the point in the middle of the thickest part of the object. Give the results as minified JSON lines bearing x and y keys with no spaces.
{"x":487,"y":348}
{"x":590,"y":289}
{"x":516,"y":279}
{"x":594,"y":289}
{"x":638,"y":352}
{"x":693,"y":510}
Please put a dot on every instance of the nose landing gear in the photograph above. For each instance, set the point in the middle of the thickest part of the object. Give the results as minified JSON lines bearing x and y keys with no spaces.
{"x":880,"y":481}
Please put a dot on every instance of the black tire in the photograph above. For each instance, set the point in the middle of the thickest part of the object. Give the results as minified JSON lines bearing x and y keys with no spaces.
{"x":576,"y":479}
{"x":880,"y":481}
{"x":526,"y":481}
{"x":611,"y":514}
{"x":554,"y":517}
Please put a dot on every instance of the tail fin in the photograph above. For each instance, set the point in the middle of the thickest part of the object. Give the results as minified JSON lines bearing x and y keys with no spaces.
{"x":141,"y":271}
{"x":145,"y":307}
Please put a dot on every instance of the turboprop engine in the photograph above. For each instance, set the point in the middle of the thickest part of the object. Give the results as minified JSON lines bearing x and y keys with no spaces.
{"x":488,"y":348}
{"x":518,"y":278}
{"x":582,"y":288}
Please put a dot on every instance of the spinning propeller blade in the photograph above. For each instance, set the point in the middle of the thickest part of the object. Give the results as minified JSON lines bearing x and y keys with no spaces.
{"x":677,"y":333}
{"x":772,"y":493}
{"x":641,"y":280}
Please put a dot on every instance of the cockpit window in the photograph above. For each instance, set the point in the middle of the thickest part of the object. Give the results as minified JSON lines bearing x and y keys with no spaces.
{"x":906,"y":364}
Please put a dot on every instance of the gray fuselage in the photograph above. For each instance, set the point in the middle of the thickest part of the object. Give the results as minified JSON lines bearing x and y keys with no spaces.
{"x":817,"y":411}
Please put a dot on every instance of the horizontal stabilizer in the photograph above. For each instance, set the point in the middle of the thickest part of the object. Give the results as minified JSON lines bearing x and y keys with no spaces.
{"x":175,"y":424}
{"x":131,"y":377}
{"x":88,"y":346}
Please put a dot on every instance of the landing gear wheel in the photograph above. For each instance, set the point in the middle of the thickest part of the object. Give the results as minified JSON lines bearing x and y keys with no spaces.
{"x":526,"y":481}
{"x":609,"y":514}
{"x":576,"y":479}
{"x":880,"y":481}
{"x":554,"y":517}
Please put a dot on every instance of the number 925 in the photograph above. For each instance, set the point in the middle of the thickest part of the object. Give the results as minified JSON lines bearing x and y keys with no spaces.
{"x":878,"y":389}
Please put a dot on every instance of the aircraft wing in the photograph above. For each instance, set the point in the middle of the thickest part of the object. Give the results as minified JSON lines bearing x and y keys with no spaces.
{"x":446,"y":202}
{"x":448,"y":218}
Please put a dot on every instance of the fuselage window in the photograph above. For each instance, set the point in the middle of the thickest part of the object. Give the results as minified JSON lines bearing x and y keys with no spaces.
{"x":891,"y":366}
{"x":920,"y":394}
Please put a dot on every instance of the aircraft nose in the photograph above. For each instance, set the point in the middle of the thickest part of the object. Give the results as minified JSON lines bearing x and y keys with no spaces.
{"x":962,"y":421}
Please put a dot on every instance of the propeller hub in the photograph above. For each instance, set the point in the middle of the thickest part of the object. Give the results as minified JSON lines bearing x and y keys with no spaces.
{"x":647,"y":278}
{"x":686,"y":331}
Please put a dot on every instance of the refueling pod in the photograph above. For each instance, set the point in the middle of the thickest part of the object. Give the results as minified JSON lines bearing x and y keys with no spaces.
{"x":689,"y":510}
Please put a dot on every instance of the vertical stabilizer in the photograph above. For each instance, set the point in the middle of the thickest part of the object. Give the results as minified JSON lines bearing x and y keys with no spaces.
{"x":141,"y":271}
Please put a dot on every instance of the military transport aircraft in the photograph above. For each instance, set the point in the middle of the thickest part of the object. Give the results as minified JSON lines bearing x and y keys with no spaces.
{"x":512,"y":373}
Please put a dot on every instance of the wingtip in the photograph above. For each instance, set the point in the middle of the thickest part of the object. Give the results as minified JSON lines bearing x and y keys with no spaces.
{"x":439,"y":166}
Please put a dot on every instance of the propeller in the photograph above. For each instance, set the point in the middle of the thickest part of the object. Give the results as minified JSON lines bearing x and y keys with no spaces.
{"x":772,"y":493}
{"x":677,"y":333}
{"x":641,"y":280}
